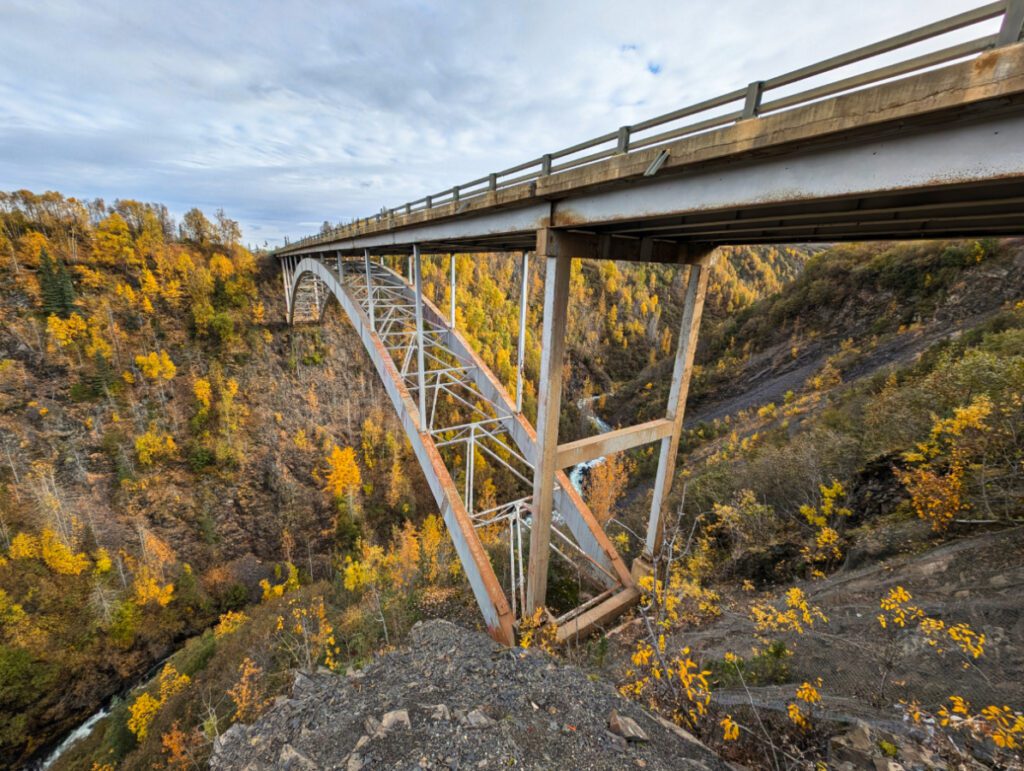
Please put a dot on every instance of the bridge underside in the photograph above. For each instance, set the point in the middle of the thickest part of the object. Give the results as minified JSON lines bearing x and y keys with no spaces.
{"x":936,"y":155}
{"x":958,"y":180}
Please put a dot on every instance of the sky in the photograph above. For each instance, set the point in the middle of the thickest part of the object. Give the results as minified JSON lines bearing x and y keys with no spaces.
{"x":287,"y":113}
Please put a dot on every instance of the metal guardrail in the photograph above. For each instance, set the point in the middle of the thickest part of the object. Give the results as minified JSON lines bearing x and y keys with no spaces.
{"x":748,"y":102}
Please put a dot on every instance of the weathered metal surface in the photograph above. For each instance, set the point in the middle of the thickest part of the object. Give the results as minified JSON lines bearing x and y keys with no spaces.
{"x":549,"y":399}
{"x":524,"y":297}
{"x":523,"y":219}
{"x":613,"y":607}
{"x":693,"y":307}
{"x":583,"y":450}
{"x":956,"y":154}
{"x":486,"y":588}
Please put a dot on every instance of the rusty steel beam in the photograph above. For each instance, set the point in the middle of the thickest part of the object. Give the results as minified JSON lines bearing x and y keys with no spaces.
{"x":549,"y":400}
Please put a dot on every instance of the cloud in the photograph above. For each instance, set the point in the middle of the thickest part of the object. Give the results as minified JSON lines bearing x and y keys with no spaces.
{"x":287,"y":114}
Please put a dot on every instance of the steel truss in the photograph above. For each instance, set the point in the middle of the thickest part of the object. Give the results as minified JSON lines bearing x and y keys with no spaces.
{"x":455,"y":413}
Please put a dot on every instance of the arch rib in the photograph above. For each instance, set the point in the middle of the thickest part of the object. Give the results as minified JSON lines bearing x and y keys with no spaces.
{"x":453,"y":369}
{"x":486,"y":588}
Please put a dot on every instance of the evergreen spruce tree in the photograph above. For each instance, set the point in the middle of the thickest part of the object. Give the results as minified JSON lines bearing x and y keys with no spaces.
{"x":47,"y":277}
{"x":55,"y":287}
{"x":65,"y":289}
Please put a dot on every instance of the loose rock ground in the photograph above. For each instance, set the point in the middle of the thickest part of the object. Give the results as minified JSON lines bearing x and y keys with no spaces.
{"x":456,"y":700}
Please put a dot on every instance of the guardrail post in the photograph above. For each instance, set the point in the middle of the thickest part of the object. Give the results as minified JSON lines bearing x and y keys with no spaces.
{"x":549,"y":402}
{"x":419,"y":336}
{"x":696,"y":287}
{"x":545,"y":164}
{"x":521,"y":348}
{"x":753,"y":101}
{"x":492,"y":181}
{"x":455,"y":194}
{"x":623,"y":144}
{"x":1012,"y":29}
{"x":430,"y":201}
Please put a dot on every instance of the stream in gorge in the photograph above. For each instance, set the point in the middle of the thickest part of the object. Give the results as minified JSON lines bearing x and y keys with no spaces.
{"x":86,"y":728}
{"x":580,"y":470}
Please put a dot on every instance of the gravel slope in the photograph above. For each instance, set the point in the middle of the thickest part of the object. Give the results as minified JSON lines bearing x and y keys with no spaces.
{"x":455,"y":700}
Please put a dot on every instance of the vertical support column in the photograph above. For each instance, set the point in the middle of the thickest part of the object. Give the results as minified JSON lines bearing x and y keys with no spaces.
{"x":556,"y":296}
{"x":412,"y":275}
{"x":521,"y":350}
{"x":415,"y":261}
{"x":293,"y":263}
{"x":369,"y":288}
{"x":287,"y":288}
{"x":470,"y":467}
{"x":341,"y":270}
{"x":696,"y":286}
{"x":451,"y":282}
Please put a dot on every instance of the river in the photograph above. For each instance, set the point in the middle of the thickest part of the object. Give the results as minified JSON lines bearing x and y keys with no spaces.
{"x":87,"y":727}
{"x":79,"y":733}
{"x":579,"y":471}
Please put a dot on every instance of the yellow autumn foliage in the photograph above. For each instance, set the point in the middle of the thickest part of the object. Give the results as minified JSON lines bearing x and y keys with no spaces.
{"x":201,"y":390}
{"x":24,"y":546}
{"x":156,"y":366}
{"x":66,"y":331}
{"x":59,"y":557}
{"x":343,"y":476}
{"x":154,"y":445}
{"x":145,"y":708}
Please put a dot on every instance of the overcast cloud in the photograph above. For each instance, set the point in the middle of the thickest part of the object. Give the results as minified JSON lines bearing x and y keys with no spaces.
{"x":289,"y":113}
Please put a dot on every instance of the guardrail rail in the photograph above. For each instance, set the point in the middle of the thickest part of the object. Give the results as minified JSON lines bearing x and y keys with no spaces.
{"x":747,"y":103}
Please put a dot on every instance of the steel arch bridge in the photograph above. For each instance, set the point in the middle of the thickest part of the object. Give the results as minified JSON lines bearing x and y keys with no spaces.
{"x":919,"y":144}
{"x":426,"y":364}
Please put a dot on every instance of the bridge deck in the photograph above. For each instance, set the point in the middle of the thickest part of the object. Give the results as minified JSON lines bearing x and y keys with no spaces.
{"x":924,"y":147}
{"x":935,"y":154}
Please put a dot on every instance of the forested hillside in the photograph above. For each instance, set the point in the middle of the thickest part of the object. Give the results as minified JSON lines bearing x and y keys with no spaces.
{"x":197,"y":500}
{"x":847,"y":532}
{"x":169,"y":445}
